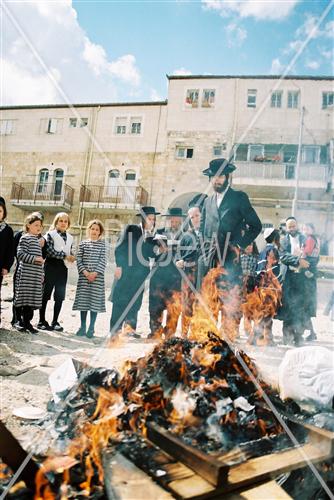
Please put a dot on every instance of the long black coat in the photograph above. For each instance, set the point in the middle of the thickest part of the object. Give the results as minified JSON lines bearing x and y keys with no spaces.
{"x":132,"y":254}
{"x":236,"y":216}
{"x":6,"y":248}
{"x":293,"y":299}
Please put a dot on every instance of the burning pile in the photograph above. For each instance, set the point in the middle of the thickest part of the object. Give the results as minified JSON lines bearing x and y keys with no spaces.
{"x":195,"y":389}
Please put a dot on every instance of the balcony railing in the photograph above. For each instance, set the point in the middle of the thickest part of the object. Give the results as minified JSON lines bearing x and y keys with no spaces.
{"x":32,"y":195}
{"x":121,"y":197}
{"x":281,"y":173}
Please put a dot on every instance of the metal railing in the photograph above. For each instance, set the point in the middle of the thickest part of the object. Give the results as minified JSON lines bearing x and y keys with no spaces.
{"x":115,"y":196}
{"x":281,"y":171}
{"x":42,"y":194}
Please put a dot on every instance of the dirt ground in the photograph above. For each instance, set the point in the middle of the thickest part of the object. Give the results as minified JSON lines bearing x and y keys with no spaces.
{"x":27,"y":360}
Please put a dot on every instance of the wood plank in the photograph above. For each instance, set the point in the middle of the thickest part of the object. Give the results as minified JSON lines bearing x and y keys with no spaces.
{"x":211,"y":469}
{"x":266,"y":491}
{"x":124,"y":481}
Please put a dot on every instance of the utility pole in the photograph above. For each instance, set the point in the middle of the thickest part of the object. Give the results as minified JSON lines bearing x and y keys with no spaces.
{"x":299,"y":154}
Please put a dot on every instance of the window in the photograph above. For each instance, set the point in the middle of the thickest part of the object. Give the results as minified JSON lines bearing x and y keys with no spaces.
{"x":43,"y":178}
{"x":52,"y":126}
{"x":120,"y":125}
{"x":255,"y":152}
{"x":272,"y":152}
{"x":251,"y":98}
{"x":6,"y":127}
{"x":290,"y":171}
{"x":276,"y":99}
{"x":130,"y":175}
{"x":241,"y":152}
{"x":183,"y":152}
{"x":58,"y":182}
{"x":208,"y":98}
{"x":135,"y":125}
{"x":218,"y":149}
{"x":310,"y":154}
{"x":293,"y":99}
{"x":192,"y":98}
{"x":83,"y":122}
{"x":290,"y":152}
{"x":73,"y":122}
{"x":324,"y":155}
{"x":113,"y":182}
{"x":327,"y":99}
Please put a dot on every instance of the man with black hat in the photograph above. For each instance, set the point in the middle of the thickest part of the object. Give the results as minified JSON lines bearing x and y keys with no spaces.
{"x":228,"y":223}
{"x":132,"y":254}
{"x":166,"y":278}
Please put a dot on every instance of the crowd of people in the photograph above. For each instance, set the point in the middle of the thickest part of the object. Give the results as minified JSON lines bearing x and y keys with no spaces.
{"x":217,"y":231}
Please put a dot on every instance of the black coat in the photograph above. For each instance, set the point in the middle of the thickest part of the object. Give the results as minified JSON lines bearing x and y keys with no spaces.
{"x":235,"y":215}
{"x":6,"y":248}
{"x":293,"y":300}
{"x":165,"y":273}
{"x":132,"y":252}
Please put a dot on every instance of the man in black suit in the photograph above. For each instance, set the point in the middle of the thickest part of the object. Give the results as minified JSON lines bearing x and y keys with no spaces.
{"x":229,"y":223}
{"x":132,"y":254}
{"x":293,"y":300}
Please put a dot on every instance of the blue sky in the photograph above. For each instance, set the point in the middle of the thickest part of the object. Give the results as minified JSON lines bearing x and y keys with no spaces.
{"x":121,"y":51}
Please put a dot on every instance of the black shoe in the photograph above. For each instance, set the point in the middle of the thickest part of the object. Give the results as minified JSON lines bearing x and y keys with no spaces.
{"x":19,"y":327}
{"x":44,"y":325}
{"x":311,"y":337}
{"x":56,"y":326}
{"x":90,"y":333}
{"x":29,"y":328}
{"x":81,"y":332}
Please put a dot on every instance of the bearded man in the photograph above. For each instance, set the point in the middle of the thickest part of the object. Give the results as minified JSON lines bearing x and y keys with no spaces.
{"x":229,"y":224}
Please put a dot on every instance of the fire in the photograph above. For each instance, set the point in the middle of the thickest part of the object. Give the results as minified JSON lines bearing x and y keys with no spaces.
{"x":165,"y":382}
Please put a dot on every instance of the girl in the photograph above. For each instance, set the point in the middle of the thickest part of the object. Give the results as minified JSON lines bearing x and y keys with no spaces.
{"x":29,"y":276}
{"x":91,"y":263}
{"x":6,"y":245}
{"x":58,"y":255}
{"x":248,"y":261}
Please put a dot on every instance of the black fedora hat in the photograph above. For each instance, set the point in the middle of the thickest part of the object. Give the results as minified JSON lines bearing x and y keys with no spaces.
{"x":147,"y":210}
{"x":174,"y":212}
{"x":219,"y":166}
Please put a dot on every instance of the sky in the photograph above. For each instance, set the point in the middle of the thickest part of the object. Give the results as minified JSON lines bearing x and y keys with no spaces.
{"x":119,"y":51}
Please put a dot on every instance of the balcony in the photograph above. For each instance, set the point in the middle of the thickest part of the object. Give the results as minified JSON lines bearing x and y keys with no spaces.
{"x":281,"y":175}
{"x":119,"y":198}
{"x":48,"y":196}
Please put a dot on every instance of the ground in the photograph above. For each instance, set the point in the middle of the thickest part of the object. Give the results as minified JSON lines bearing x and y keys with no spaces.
{"x":27,"y":360}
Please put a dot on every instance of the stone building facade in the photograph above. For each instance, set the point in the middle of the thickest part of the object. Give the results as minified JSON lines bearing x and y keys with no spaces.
{"x":105,"y":160}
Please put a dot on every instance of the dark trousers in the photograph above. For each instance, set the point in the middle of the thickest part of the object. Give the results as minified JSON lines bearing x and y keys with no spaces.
{"x":56,"y":274}
{"x":1,"y":278}
{"x":127,"y":298}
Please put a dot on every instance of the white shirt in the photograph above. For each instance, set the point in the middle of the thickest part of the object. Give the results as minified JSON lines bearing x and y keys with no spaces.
{"x":295,"y":245}
{"x":220,"y":197}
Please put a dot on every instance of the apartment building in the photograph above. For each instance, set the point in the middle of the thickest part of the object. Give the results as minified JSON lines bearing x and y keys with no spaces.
{"x":106,"y":160}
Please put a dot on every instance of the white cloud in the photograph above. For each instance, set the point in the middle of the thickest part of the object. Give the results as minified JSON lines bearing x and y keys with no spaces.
{"x":235,"y":35}
{"x":327,"y":54}
{"x":277,"y":67}
{"x":312,"y":64}
{"x":23,"y":87}
{"x":260,"y":10}
{"x":95,"y":56}
{"x":125,"y":69}
{"x":84,"y":68}
{"x":182,"y":71}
